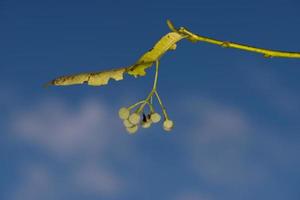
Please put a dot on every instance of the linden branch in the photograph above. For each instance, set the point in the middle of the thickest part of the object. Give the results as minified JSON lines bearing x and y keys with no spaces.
{"x":135,"y":115}
{"x":268,"y":53}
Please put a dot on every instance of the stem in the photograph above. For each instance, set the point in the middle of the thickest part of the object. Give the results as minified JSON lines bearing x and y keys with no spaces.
{"x":151,"y":103}
{"x":136,"y":104}
{"x":162,"y":106}
{"x":140,"y":102}
{"x":266,"y":52}
{"x":152,"y":91}
{"x":156,"y":75}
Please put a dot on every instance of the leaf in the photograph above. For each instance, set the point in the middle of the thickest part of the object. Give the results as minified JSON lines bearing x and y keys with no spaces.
{"x":93,"y":79}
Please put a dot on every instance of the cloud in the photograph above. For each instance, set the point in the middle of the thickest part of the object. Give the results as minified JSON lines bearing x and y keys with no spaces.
{"x":92,"y":178}
{"x":228,"y":150}
{"x":89,"y":155}
{"x":272,"y":87}
{"x":190,"y":195}
{"x":81,"y":141}
{"x":36,"y":183}
{"x":63,"y":131}
{"x":217,"y":145}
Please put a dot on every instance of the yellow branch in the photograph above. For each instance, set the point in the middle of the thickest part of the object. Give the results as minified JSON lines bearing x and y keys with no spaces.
{"x":266,"y":52}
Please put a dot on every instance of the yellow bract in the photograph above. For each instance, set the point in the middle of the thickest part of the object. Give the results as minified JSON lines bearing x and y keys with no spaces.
{"x":102,"y":78}
{"x":94,"y":79}
{"x":167,"y":42}
{"x":138,"y":69}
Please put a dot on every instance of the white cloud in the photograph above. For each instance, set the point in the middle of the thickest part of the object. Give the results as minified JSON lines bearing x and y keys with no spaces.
{"x":192,"y":195}
{"x":35,"y":183}
{"x":272,"y":87}
{"x":64,"y":131}
{"x":227,"y":149}
{"x":92,"y":178}
{"x":85,"y":137}
{"x":218,"y":144}
{"x":222,"y":145}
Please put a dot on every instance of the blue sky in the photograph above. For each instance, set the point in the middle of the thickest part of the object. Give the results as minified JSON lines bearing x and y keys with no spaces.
{"x":236,"y":113}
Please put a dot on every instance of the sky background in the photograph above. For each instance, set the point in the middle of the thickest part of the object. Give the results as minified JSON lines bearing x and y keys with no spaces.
{"x":236,"y":113}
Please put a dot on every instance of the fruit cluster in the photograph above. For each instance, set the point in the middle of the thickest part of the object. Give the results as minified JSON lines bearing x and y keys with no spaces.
{"x":132,"y":120}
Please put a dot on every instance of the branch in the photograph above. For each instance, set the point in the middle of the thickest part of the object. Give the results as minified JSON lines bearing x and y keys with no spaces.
{"x":268,"y":53}
{"x":132,"y":119}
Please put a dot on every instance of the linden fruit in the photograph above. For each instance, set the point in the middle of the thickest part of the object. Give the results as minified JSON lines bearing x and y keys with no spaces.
{"x":124,"y":113}
{"x":127,"y":123}
{"x":146,"y":124}
{"x":134,"y":118}
{"x":168,"y":125}
{"x":132,"y":130}
{"x":155,"y":117}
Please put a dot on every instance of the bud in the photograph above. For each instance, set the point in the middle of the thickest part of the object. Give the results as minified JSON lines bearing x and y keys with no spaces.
{"x":155,"y":117}
{"x":132,"y":130}
{"x":168,"y":125}
{"x":124,"y":113}
{"x":134,"y":118}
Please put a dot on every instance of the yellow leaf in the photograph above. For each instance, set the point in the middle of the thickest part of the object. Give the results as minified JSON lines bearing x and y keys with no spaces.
{"x":94,"y":79}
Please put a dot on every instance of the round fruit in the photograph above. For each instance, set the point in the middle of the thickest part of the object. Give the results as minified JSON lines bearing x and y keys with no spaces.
{"x":155,"y":117}
{"x":146,"y":124}
{"x":127,"y":123}
{"x":132,"y":130}
{"x":134,"y":118}
{"x":124,"y":113}
{"x":168,"y":125}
